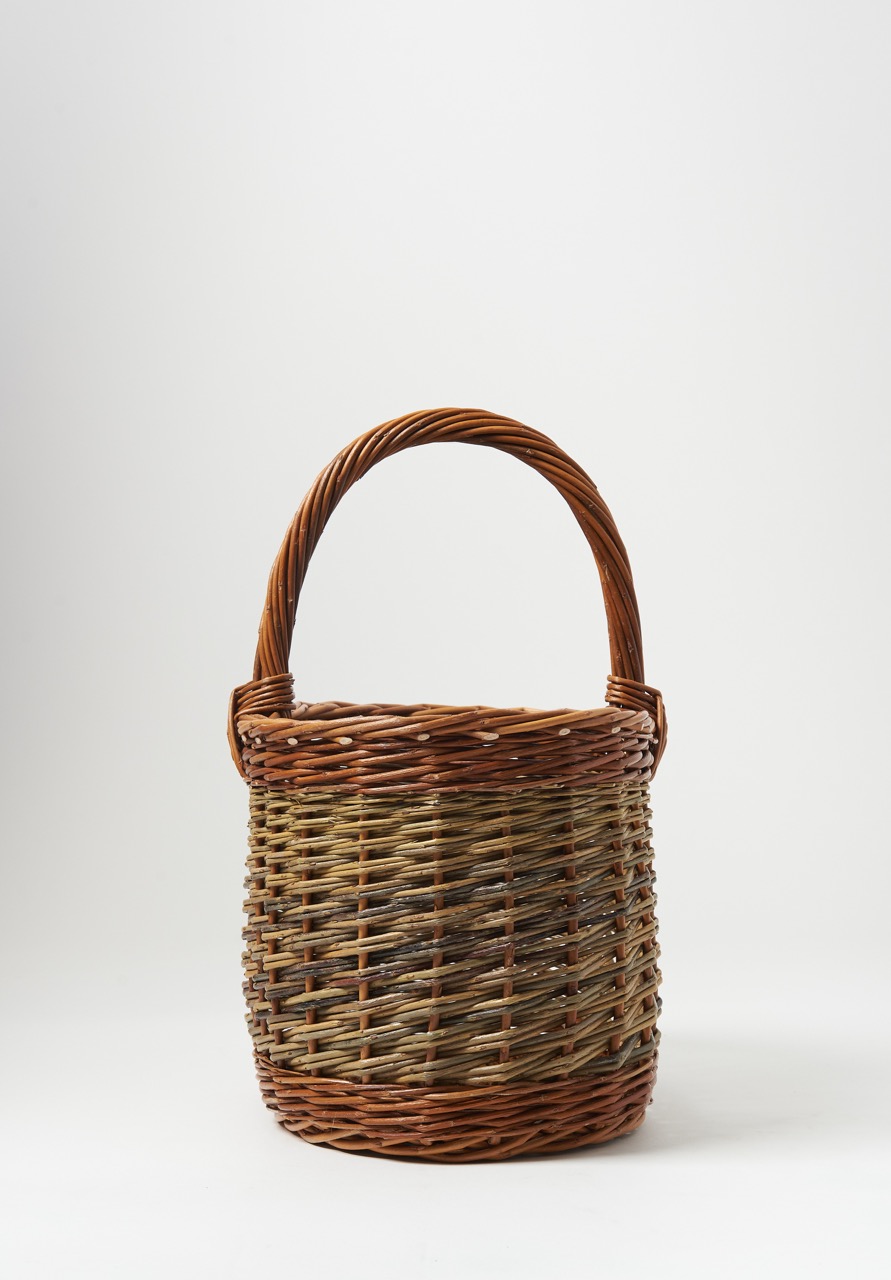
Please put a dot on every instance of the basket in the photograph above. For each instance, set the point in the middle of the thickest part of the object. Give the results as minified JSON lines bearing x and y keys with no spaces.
{"x":451,"y":944}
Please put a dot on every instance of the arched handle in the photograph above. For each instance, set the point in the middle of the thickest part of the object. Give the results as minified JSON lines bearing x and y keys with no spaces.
{"x":465,"y":426}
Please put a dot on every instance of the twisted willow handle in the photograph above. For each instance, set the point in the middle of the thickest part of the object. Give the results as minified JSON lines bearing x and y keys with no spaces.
{"x":467,"y":426}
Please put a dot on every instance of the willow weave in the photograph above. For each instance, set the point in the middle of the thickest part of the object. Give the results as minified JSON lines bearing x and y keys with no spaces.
{"x":499,"y":937}
{"x":451,"y":945}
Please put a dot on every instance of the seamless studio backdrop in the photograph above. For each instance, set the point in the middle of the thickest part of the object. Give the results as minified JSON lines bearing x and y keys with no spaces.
{"x":235,"y":237}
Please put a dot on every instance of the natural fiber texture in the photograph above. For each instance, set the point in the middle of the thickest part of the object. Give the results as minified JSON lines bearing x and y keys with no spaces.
{"x":451,"y":942}
{"x":422,"y":748}
{"x":472,"y":937}
{"x":626,"y":686}
{"x":460,"y":1124}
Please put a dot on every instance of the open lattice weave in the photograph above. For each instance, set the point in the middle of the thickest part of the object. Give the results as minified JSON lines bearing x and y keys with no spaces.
{"x":451,"y":943}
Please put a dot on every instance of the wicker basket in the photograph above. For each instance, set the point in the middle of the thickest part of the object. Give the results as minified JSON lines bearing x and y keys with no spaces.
{"x":451,"y":946}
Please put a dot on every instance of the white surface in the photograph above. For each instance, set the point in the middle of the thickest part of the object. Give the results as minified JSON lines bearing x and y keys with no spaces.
{"x":762,"y":1154}
{"x":236,"y":236}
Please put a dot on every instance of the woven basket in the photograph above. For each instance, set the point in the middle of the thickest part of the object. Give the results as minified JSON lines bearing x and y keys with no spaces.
{"x":451,"y":947}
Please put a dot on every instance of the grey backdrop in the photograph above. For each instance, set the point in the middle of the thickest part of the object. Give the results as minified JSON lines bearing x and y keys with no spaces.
{"x":234,"y":237}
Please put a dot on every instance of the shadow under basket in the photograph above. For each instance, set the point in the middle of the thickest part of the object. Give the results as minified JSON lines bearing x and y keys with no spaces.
{"x":451,"y":944}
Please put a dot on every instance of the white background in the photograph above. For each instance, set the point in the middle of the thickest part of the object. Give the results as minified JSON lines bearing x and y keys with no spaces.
{"x":234,"y":237}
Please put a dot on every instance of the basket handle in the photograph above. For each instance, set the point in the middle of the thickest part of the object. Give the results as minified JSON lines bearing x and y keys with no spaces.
{"x":466,"y":426}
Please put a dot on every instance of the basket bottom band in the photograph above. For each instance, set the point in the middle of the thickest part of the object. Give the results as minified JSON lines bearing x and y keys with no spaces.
{"x":460,"y":1122}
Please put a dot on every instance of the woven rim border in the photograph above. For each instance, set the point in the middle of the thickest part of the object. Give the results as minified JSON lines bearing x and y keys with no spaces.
{"x":460,"y":1124}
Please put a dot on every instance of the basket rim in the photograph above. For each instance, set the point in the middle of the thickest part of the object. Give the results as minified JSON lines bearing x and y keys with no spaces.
{"x":421,"y":720}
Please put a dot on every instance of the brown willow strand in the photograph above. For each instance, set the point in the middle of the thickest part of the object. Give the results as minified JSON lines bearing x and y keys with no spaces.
{"x":459,"y":1124}
{"x":572,"y":928}
{"x":438,"y":936}
{"x":647,"y":917}
{"x":466,"y":426}
{"x":507,"y":989}
{"x":362,"y":963}
{"x":287,"y":584}
{"x":621,"y":945}
{"x":306,"y":927}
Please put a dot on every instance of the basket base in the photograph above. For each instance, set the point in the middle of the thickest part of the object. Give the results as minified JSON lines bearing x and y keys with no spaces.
{"x":459,"y":1123}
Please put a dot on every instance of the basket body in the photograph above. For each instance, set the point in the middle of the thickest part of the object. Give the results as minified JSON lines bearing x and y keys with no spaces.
{"x":451,"y":943}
